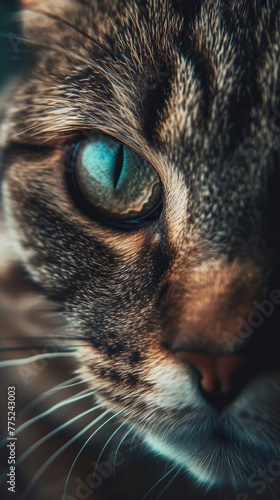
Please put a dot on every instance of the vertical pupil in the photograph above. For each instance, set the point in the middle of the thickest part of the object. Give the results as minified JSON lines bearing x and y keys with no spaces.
{"x":118,"y":166}
{"x":114,"y":180}
{"x":102,"y":162}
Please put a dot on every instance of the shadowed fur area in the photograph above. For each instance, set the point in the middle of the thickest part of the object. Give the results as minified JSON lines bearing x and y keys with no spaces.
{"x":194,"y":89}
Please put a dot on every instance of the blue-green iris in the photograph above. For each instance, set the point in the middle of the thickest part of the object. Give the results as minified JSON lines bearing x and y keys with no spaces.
{"x":116,"y":180}
{"x":101,"y":159}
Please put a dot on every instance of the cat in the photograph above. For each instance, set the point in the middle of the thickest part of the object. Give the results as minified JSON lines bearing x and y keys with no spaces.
{"x":140,"y":155}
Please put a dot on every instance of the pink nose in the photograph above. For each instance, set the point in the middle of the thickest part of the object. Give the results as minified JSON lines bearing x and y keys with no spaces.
{"x":213,"y":368}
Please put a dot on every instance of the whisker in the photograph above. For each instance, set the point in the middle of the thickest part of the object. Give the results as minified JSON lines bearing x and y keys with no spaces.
{"x":169,"y":483}
{"x":106,"y":444}
{"x":158,"y":482}
{"x":81,"y":395}
{"x":20,"y":362}
{"x":272,"y":492}
{"x":73,"y":399}
{"x":48,"y":337}
{"x":121,"y":442}
{"x":84,"y":445}
{"x":135,"y":437}
{"x":58,"y":452}
{"x":57,"y":388}
{"x":43,"y":346}
{"x":45,"y":438}
{"x":49,"y":393}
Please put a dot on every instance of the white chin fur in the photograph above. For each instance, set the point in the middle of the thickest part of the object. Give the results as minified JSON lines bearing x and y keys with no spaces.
{"x":214,"y":448}
{"x":215,"y":463}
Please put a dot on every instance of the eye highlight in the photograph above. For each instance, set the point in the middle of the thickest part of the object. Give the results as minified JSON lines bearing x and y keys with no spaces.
{"x":116,"y":181}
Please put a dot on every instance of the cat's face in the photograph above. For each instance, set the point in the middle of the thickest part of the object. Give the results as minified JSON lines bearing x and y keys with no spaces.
{"x":194,"y":91}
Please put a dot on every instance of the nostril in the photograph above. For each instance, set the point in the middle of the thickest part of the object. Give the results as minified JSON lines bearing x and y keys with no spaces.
{"x":219,"y":375}
{"x":219,"y":400}
{"x":213,"y":368}
{"x":240,"y":378}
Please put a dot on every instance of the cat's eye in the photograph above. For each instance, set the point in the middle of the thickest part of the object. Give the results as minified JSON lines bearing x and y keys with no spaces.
{"x":116,"y":181}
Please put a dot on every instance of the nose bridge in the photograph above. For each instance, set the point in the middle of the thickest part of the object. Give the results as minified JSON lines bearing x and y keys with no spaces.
{"x":206,"y":302}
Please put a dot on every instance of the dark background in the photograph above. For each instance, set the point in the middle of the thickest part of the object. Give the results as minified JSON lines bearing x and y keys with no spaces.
{"x":11,"y":47}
